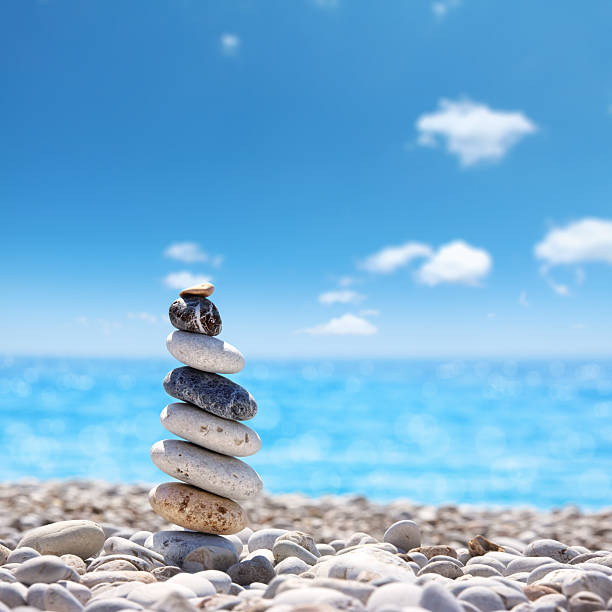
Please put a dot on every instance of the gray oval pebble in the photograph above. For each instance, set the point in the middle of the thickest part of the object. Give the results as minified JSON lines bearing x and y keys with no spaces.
{"x":46,"y":568}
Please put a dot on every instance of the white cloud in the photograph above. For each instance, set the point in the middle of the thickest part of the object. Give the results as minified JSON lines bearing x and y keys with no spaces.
{"x":474,"y":132}
{"x":346,"y":325}
{"x":441,"y":7}
{"x":147,"y":317}
{"x":189,"y":252}
{"x":230,"y":43}
{"x":455,"y":262}
{"x":391,"y":258}
{"x":344,"y":296}
{"x":184,"y":278}
{"x":370,"y":312}
{"x":346,"y":281}
{"x":586,"y":240}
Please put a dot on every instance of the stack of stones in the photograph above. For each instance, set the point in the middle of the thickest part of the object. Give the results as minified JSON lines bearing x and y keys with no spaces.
{"x":207,"y":419}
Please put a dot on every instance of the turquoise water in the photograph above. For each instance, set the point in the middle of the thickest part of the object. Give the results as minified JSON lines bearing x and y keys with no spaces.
{"x":493,"y":432}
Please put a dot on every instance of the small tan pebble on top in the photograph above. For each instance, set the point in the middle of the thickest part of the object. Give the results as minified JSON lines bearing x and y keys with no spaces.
{"x":204,"y":289}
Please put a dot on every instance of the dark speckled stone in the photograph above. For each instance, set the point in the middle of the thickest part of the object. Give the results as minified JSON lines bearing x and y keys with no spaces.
{"x":197,"y":314}
{"x":211,"y":392}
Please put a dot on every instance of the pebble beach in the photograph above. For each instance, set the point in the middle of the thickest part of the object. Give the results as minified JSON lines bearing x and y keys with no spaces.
{"x":298,"y":553}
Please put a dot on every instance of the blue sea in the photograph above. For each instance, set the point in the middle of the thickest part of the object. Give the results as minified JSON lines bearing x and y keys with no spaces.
{"x":476,"y":431}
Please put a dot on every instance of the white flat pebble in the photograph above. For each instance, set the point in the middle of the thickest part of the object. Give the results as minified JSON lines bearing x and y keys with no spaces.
{"x":204,"y":352}
{"x":148,"y":595}
{"x":210,"y":431}
{"x":200,"y":585}
{"x":212,"y":472}
{"x":393,"y":593}
{"x":220,"y":580}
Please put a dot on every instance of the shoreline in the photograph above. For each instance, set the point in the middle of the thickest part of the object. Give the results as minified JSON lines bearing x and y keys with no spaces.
{"x":29,"y":503}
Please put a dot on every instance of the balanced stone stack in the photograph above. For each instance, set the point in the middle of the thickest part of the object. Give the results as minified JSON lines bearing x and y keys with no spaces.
{"x":207,"y":418}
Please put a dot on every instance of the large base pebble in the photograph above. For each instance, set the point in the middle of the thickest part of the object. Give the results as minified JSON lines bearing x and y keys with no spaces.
{"x":199,"y":549}
{"x":197,"y":510}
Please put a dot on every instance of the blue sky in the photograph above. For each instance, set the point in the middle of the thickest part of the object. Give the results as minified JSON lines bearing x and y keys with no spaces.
{"x":357,"y":178}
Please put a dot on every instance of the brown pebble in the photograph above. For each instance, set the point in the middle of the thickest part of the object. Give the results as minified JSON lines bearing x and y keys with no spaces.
{"x":163,"y":573}
{"x":197,"y":510}
{"x":480,"y":545}
{"x":204,"y":290}
{"x":76,"y":563}
{"x":535,"y":591}
{"x":92,"y":578}
{"x":432,"y":551}
{"x":4,"y":553}
{"x":116,"y":565}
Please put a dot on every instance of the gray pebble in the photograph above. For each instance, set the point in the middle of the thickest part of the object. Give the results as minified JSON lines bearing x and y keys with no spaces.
{"x":285,"y":548}
{"x":550,"y":603}
{"x":550,"y":548}
{"x":24,"y":553}
{"x":120,"y":546}
{"x":437,"y":599}
{"x":36,"y":595}
{"x":264,"y":538}
{"x":59,"y":599}
{"x":6,"y":575}
{"x":301,"y":539}
{"x":446,"y":558}
{"x":13,"y":594}
{"x":405,"y":535}
{"x":211,"y":392}
{"x":76,"y":537}
{"x":482,"y":570}
{"x":140,"y":537}
{"x":291,"y":565}
{"x":258,"y":569}
{"x":484,"y":599}
{"x":443,"y":568}
{"x":325,"y":549}
{"x":392,"y":594}
{"x":46,"y":568}
{"x":584,"y":601}
{"x":193,"y":551}
{"x":80,"y":591}
{"x":220,"y":580}
{"x":112,"y":604}
{"x":593,"y":582}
